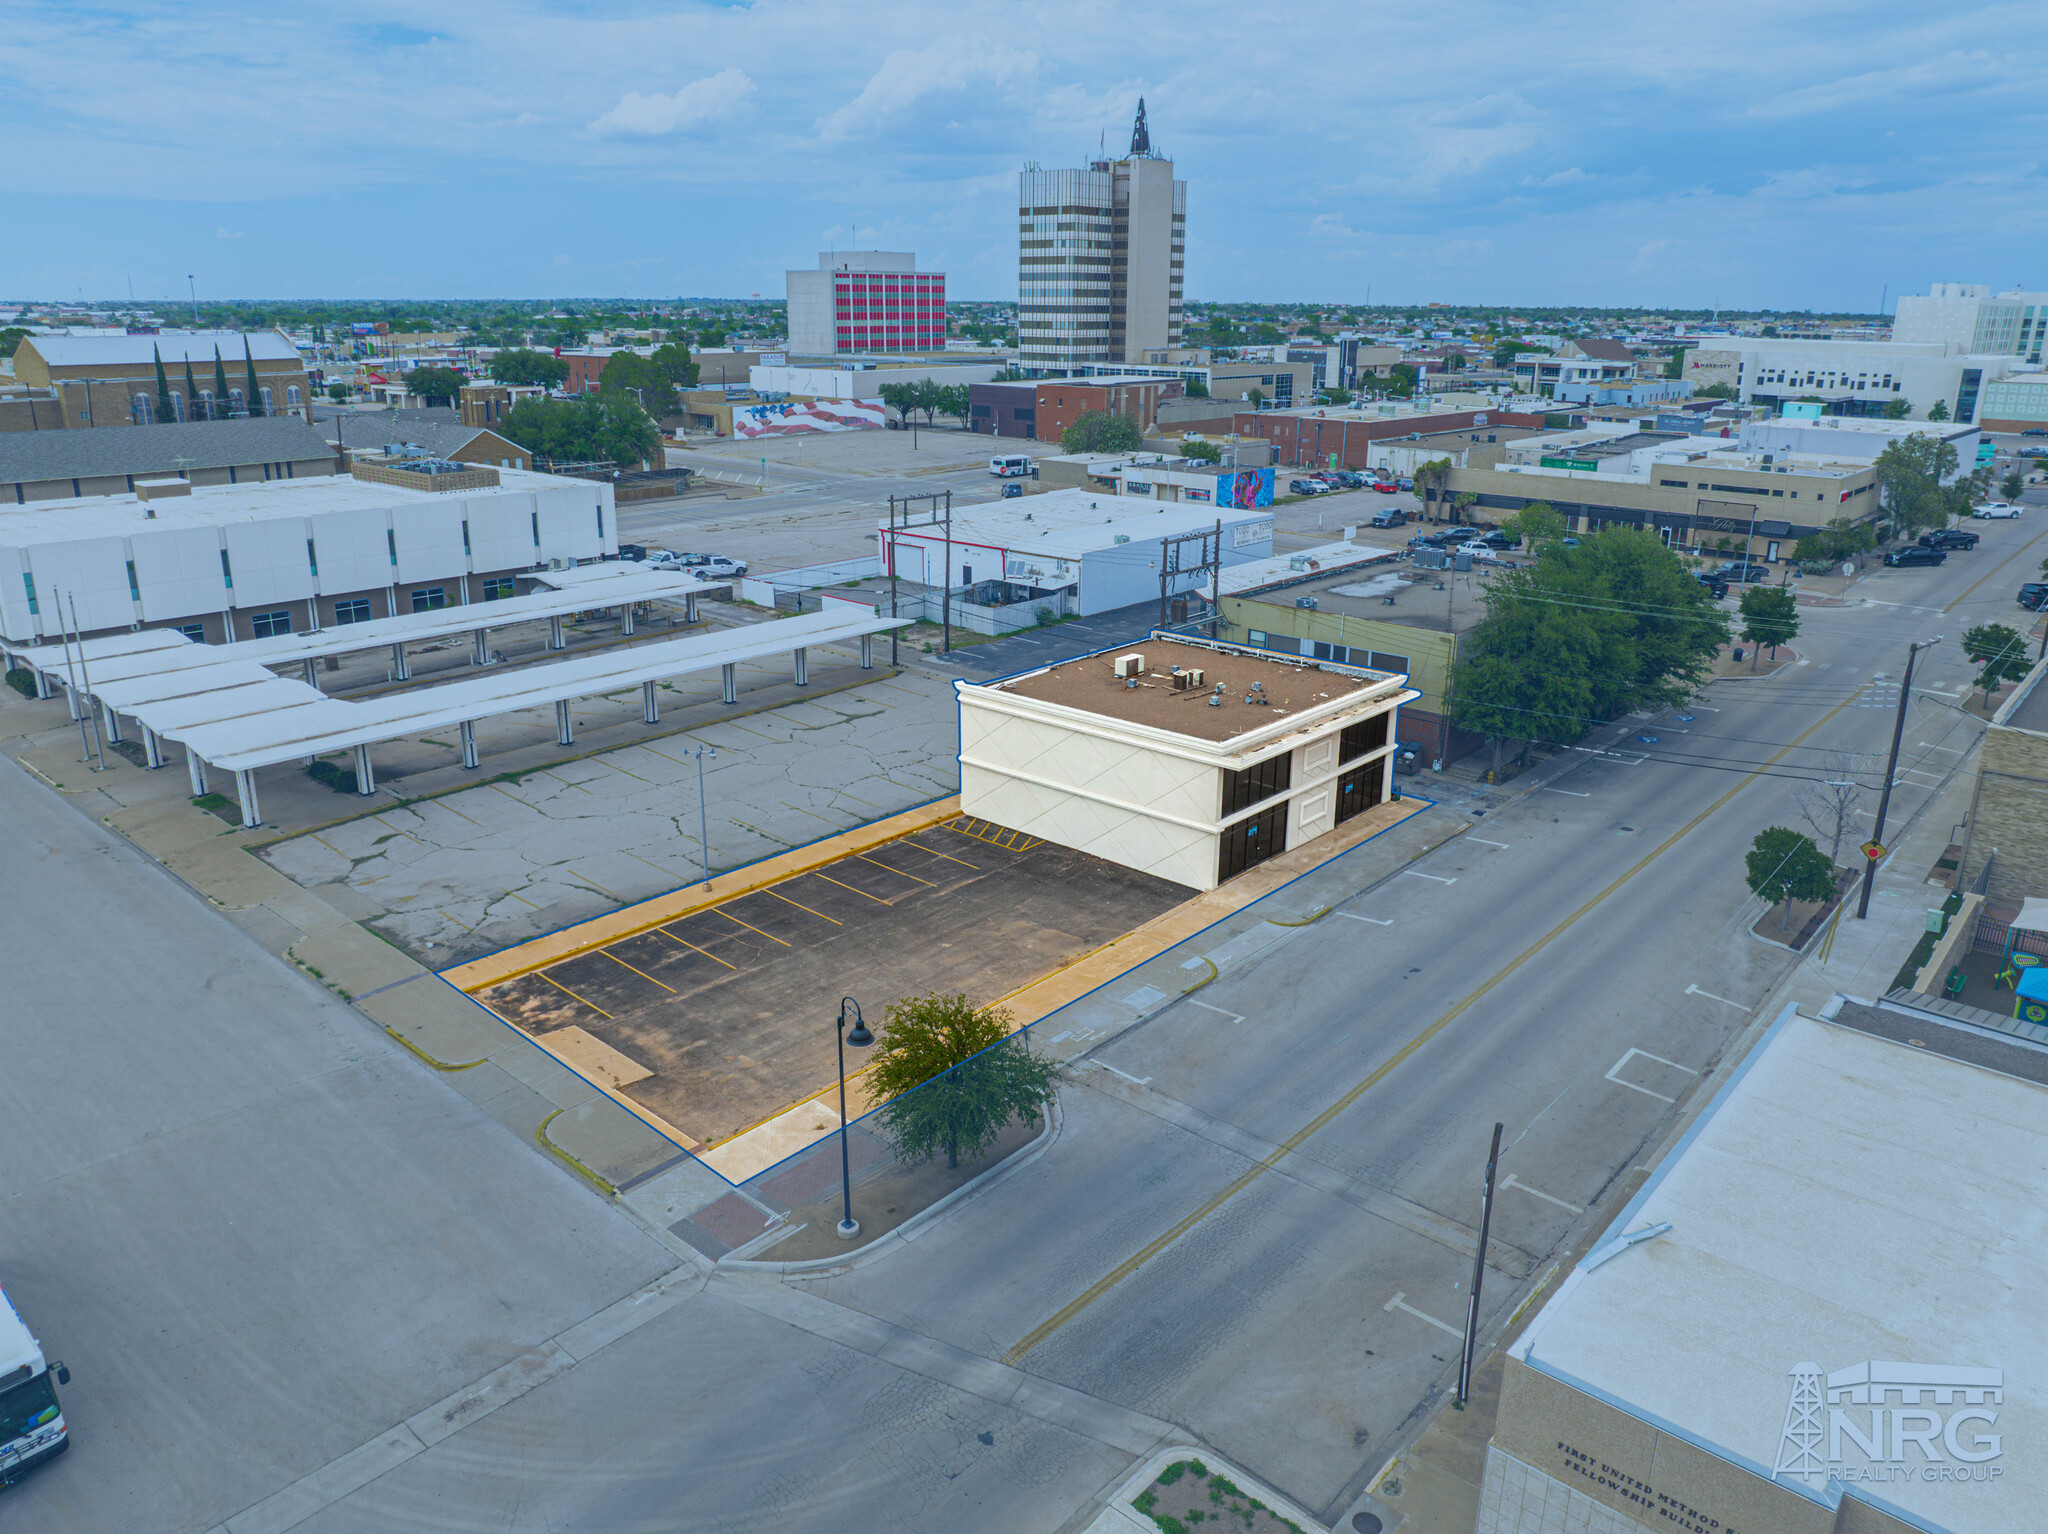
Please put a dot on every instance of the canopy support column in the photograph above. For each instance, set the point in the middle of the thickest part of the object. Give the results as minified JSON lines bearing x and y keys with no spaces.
{"x":312,"y":672}
{"x":803,"y":677}
{"x":42,"y":681}
{"x":556,"y":641}
{"x":468,"y":728}
{"x":483,"y":646}
{"x":626,"y":619}
{"x":729,"y":674}
{"x":867,"y":652}
{"x":198,"y":771}
{"x":650,"y":708}
{"x":245,"y":790}
{"x":399,"y":668}
{"x":366,"y":776}
{"x":565,"y":731}
{"x":152,"y":747}
{"x":690,"y":607}
{"x":113,"y":725}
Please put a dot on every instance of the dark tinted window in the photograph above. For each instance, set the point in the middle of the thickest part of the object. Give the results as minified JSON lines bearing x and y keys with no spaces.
{"x":1263,"y":780}
{"x":1358,"y":739}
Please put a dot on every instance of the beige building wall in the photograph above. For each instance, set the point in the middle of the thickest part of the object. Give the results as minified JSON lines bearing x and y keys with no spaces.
{"x":2009,"y":813}
{"x":1146,"y":314}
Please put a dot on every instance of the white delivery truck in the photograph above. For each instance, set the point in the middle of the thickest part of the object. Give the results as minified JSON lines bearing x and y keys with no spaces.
{"x":1010,"y":466}
{"x":31,"y":1421}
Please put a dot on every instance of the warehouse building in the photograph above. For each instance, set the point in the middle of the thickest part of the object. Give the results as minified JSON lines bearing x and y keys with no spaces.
{"x":68,"y":465}
{"x":227,"y":562}
{"x":1183,"y":758}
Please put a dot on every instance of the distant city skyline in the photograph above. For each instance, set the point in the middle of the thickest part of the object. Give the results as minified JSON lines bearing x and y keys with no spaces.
{"x":1474,"y":152}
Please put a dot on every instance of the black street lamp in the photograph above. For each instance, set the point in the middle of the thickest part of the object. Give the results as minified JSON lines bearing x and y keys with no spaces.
{"x":859,"y":1038}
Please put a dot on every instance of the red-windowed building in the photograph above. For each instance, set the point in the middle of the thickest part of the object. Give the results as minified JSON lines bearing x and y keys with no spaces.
{"x":860,"y":301}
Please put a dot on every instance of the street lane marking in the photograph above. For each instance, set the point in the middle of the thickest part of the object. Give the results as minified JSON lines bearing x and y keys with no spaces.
{"x":1245,"y":1179}
{"x":1235,"y":1017}
{"x":1439,"y":878}
{"x":1693,"y":990}
{"x":1133,"y":1080}
{"x":1572,"y":791}
{"x":1485,"y":843}
{"x":1400,"y":1302}
{"x":1624,"y":1060}
{"x":1348,"y":916}
{"x":1539,"y":1193}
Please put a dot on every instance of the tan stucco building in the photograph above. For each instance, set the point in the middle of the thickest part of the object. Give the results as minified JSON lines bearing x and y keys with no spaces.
{"x":206,"y":374}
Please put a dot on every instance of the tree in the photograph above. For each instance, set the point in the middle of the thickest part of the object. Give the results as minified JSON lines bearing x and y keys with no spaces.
{"x":1102,"y":431}
{"x":630,"y":373}
{"x":1538,"y":522}
{"x":1938,"y":411}
{"x":1911,"y":473}
{"x":955,"y":1077}
{"x":2001,"y":654}
{"x":1715,"y":391}
{"x":164,"y":413}
{"x":901,"y":398}
{"x":955,"y":400}
{"x":255,"y":390}
{"x":1198,"y":451}
{"x":1507,"y":351}
{"x":588,"y":429}
{"x":1336,"y":396}
{"x":1841,"y":539}
{"x":1897,"y":409}
{"x":1769,"y":617}
{"x":338,"y":393}
{"x":1432,"y":477}
{"x":1195,"y":388}
{"x":1257,"y":396}
{"x":1782,"y":866}
{"x":10,"y":338}
{"x":2014,"y":484}
{"x":522,"y":365}
{"x":1831,"y":802}
{"x":435,"y":385}
{"x":674,"y":362}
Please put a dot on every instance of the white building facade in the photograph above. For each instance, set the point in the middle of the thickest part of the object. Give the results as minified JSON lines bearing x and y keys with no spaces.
{"x":866,"y":301}
{"x":1973,"y":319}
{"x":1855,"y":378}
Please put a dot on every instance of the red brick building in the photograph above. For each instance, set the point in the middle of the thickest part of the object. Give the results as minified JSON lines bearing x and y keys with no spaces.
{"x":1061,"y":401}
{"x":1309,"y":438}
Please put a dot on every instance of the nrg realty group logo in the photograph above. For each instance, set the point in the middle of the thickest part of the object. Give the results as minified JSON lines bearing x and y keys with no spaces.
{"x":1855,"y":1424}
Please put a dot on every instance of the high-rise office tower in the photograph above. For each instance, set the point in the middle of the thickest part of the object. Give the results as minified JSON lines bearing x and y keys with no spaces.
{"x":1099,"y":255}
{"x":866,"y":301}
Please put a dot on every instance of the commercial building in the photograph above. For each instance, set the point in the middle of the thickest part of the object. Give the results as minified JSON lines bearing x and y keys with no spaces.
{"x":1181,"y":758}
{"x":1852,"y":378}
{"x":70,"y":465}
{"x":1345,"y":437}
{"x":2018,"y":402}
{"x":1098,"y":552}
{"x":207,"y":376}
{"x":1046,"y":408}
{"x":1154,"y":476}
{"x":425,"y":434}
{"x":1972,"y":319}
{"x":1576,"y":369}
{"x":485,"y":404}
{"x":860,"y":301}
{"x":2005,"y":842}
{"x":863,"y":381}
{"x":1802,"y":429}
{"x":1819,"y":1314}
{"x":227,"y":562}
{"x":1099,"y":255}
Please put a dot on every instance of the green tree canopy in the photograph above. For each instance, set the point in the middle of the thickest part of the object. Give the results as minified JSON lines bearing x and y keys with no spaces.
{"x":674,"y":362}
{"x":1715,"y":391}
{"x":1897,"y":409}
{"x":955,"y":401}
{"x":591,"y":429}
{"x":1782,"y":866}
{"x":1841,"y":539}
{"x":1506,"y":352}
{"x":642,"y":380}
{"x":2000,"y":652}
{"x":1584,"y":634}
{"x":1938,"y":411}
{"x":1770,"y":616}
{"x":1336,"y":396}
{"x":10,"y":338}
{"x":1201,"y":452}
{"x":523,"y":365}
{"x":2014,"y":484}
{"x":1911,"y":473}
{"x":1102,"y":431}
{"x":435,"y":385}
{"x":955,"y":1077}
{"x":1195,"y":388}
{"x":1536,"y":523}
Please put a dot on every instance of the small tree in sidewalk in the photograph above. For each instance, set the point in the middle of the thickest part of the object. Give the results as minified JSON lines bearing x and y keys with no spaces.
{"x":1831,"y":802}
{"x":1782,"y":866}
{"x":1770,"y":616}
{"x":2002,"y":653}
{"x":956,"y":1077}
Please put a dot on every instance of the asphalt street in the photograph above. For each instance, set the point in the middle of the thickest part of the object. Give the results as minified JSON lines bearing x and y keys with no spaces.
{"x":1252,"y":1229}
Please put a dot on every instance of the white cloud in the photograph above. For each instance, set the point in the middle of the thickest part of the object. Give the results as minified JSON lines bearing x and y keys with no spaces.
{"x":227,"y":234}
{"x":560,"y":261}
{"x":1571,"y":177}
{"x":908,"y":76}
{"x":701,"y":101}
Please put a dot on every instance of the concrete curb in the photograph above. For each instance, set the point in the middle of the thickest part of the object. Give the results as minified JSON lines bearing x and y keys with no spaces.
{"x":1251,"y":1485}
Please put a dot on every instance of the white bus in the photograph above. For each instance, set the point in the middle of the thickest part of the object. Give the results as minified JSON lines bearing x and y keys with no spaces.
{"x":31,"y":1422}
{"x":1010,"y":467}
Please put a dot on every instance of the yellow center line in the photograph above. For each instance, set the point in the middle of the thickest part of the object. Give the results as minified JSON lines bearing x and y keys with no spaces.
{"x":600,"y":1011}
{"x":802,"y":907}
{"x":640,"y":972}
{"x":714,"y":958}
{"x":1994,"y":570}
{"x":722,"y":911}
{"x":913,"y":878}
{"x":1153,"y":1248}
{"x":877,"y":899}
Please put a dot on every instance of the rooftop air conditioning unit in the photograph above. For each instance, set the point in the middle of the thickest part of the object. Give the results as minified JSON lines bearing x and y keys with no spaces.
{"x":1130,"y":665}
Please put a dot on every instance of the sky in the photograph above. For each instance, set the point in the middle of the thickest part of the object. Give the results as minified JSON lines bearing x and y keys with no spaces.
{"x":1737,"y":155}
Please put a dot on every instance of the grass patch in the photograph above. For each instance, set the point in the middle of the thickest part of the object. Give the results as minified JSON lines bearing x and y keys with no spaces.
{"x":341,"y":779}
{"x":23,"y":682}
{"x":213,"y":804}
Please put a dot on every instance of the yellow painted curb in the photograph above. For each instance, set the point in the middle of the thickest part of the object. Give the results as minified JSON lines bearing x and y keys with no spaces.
{"x":599,"y":932}
{"x":540,"y":1136}
{"x":439,"y":1065}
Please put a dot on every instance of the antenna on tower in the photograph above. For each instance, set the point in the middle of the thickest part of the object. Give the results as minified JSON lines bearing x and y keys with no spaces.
{"x":1141,"y":140}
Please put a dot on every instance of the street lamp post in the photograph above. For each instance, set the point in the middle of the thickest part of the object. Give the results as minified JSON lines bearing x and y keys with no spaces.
{"x":859,"y":1038}
{"x":703,"y":818}
{"x":1891,"y":770}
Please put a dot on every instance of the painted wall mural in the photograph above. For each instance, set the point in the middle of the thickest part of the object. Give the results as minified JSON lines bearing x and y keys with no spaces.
{"x":799,"y":417}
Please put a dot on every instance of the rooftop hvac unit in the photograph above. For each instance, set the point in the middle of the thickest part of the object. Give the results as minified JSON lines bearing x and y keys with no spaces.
{"x":1130,"y":665}
{"x":1309,"y":603}
{"x":1187,"y":681}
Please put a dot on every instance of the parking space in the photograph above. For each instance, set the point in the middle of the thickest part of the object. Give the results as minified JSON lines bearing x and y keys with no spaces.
{"x":729,"y":1009}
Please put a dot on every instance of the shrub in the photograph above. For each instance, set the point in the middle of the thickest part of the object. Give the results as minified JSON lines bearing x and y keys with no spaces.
{"x":23,"y":682}
{"x":341,"y":779}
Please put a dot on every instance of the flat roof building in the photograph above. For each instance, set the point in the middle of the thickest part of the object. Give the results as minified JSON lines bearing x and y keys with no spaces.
{"x":1856,"y":378}
{"x":1821,"y":1315}
{"x":69,"y":465}
{"x":864,"y":301}
{"x":206,"y":375}
{"x":1182,"y":758}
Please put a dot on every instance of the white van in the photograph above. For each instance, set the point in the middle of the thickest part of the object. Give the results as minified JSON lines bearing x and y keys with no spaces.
{"x":1010,"y":467}
{"x":31,"y":1422}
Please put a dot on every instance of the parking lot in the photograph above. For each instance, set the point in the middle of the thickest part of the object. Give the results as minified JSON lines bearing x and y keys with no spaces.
{"x":722,"y":1018}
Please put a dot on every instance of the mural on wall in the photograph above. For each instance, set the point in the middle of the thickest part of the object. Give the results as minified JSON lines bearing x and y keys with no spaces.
{"x":798,"y":417}
{"x":1245,"y":487}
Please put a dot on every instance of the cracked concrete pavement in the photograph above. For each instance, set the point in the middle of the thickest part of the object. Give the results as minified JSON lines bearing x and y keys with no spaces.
{"x":450,"y":878}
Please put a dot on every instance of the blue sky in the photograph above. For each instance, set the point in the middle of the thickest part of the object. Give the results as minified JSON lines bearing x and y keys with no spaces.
{"x":1738,"y":154}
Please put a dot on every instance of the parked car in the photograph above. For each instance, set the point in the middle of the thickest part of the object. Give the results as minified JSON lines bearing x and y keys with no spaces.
{"x":1442,"y":538}
{"x":1996,"y":510}
{"x":671,"y":559}
{"x":1499,"y":540}
{"x":1483,"y":552}
{"x":634,"y":551}
{"x":2030,"y":452}
{"x":1913,"y":554}
{"x":2034,"y":595}
{"x":710,"y":566}
{"x":1737,"y":570}
{"x":1384,"y":486}
{"x":1349,"y":480}
{"x":1307,"y":487}
{"x":2035,"y":431}
{"x":1713,"y":581}
{"x":1949,"y":538}
{"x":1405,"y":482}
{"x":1391,"y":516}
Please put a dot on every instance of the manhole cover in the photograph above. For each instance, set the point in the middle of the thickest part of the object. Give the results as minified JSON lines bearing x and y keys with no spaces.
{"x":1366,"y":1523}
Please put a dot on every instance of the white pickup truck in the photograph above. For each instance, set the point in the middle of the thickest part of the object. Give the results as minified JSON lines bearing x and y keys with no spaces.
{"x":31,"y":1422}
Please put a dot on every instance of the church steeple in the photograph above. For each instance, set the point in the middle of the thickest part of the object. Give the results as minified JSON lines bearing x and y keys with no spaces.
{"x":1141,"y":141}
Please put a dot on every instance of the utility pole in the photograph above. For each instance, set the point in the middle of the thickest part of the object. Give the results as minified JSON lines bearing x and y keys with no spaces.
{"x":193,"y":288}
{"x":892,"y":576}
{"x":1891,"y":771}
{"x":1478,"y":1274}
{"x":1170,"y":564}
{"x":1216,"y":587}
{"x":946,"y":590}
